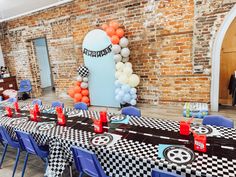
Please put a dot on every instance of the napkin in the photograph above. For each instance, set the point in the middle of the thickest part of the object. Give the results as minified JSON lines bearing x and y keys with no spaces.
{"x":124,"y":121}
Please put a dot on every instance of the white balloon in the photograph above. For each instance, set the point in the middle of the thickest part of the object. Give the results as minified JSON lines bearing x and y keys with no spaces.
{"x":133,"y":80}
{"x":125,"y":52}
{"x":117,"y":58}
{"x":84,"y":85}
{"x":79,"y":78}
{"x":85,"y":79}
{"x":128,"y":71}
{"x":133,"y":102}
{"x":123,"y":79}
{"x":125,"y":59}
{"x":124,"y":42}
{"x":128,"y":65}
{"x":118,"y":74}
{"x":119,"y":66}
{"x":116,"y":49}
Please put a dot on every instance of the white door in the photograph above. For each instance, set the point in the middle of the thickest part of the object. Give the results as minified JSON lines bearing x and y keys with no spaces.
{"x":42,"y":58}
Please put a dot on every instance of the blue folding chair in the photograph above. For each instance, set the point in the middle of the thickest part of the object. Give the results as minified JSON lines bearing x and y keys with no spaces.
{"x":81,"y":106}
{"x":57,"y":104}
{"x":37,"y":101}
{"x":86,"y":162}
{"x":25,"y":87}
{"x":131,"y":111}
{"x":30,"y":146}
{"x":11,"y":100}
{"x":6,"y":140}
{"x":161,"y":173}
{"x":218,"y":121}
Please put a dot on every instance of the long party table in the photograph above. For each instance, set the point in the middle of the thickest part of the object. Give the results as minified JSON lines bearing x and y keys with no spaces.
{"x":134,"y":151}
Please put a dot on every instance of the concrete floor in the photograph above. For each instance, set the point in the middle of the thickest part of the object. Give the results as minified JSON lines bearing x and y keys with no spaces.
{"x":35,"y":166}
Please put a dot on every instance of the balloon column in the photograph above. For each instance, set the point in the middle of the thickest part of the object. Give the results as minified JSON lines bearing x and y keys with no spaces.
{"x":80,"y":92}
{"x":126,"y":81}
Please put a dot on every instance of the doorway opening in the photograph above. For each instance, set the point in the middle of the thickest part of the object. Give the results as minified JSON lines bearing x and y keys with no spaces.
{"x":227,"y":86}
{"x":41,"y":54}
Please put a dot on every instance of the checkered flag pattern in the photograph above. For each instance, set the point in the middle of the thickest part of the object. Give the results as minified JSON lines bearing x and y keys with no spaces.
{"x":83,"y":71}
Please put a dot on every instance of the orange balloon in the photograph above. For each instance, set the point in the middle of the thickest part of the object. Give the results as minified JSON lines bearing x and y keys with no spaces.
{"x":120,"y":32}
{"x":78,"y":97}
{"x":115,"y":39}
{"x":114,"y":24}
{"x":77,"y":83}
{"x":77,"y":89}
{"x":85,"y":99}
{"x":85,"y":92}
{"x":110,"y":31}
{"x":104,"y":27}
{"x":71,"y":92}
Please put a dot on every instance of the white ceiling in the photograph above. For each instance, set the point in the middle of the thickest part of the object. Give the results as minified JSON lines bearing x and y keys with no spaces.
{"x":14,"y":8}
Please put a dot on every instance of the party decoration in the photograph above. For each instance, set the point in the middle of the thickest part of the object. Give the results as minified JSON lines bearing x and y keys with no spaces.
{"x":80,"y":91}
{"x":126,"y":80}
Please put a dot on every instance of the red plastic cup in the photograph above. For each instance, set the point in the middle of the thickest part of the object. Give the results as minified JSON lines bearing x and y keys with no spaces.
{"x":33,"y":115}
{"x":184,"y":128}
{"x":98,"y":126}
{"x":36,"y":108}
{"x":9,"y":111}
{"x":103,"y":116}
{"x":61,"y":119}
{"x":200,"y":143}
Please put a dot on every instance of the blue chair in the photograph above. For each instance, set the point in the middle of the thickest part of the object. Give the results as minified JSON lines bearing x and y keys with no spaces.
{"x":25,"y":86}
{"x":37,"y":101}
{"x":6,"y":140}
{"x":218,"y":121}
{"x":30,"y":146}
{"x":131,"y":111}
{"x":81,"y":106}
{"x":57,"y":104}
{"x":161,"y":173}
{"x":11,"y":100}
{"x":86,"y":162}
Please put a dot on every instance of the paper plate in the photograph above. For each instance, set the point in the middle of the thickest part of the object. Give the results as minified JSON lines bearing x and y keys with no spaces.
{"x":202,"y":129}
{"x":101,"y":139}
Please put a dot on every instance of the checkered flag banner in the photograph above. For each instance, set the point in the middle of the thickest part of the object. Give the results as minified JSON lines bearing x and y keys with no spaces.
{"x":83,"y":71}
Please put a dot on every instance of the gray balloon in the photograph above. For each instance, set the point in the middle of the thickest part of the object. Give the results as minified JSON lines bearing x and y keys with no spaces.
{"x":85,"y":79}
{"x":117,"y":58}
{"x":125,"y":59}
{"x":84,"y":85}
{"x":79,"y":78}
{"x":116,"y":49}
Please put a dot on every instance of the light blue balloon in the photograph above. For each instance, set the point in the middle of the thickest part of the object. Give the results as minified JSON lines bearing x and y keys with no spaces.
{"x":117,"y":91}
{"x":133,"y":102}
{"x":118,"y":98}
{"x":127,"y":98}
{"x":126,"y":88}
{"x":117,"y":83}
{"x":133,"y":90}
{"x":134,"y":96}
{"x":121,"y":93}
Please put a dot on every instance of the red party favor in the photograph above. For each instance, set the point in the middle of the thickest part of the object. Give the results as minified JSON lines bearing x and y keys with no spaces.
{"x":97,"y":126}
{"x":200,"y":143}
{"x":9,"y":111}
{"x":184,"y":128}
{"x":33,"y":115}
{"x":59,"y":110}
{"x":103,"y":116}
{"x":61,"y":119}
{"x":36,"y":108}
{"x":16,"y":107}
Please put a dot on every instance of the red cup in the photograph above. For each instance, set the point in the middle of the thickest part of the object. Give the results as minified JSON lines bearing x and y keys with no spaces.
{"x":98,"y":126}
{"x":184,"y":128}
{"x":9,"y":111}
{"x":16,"y":107}
{"x":61,"y":119}
{"x":33,"y":115}
{"x":103,"y":116}
{"x":200,"y":143}
{"x":36,"y":108}
{"x":59,"y":110}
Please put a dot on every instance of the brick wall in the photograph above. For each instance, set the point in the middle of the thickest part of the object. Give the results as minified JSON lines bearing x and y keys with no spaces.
{"x":169,"y":42}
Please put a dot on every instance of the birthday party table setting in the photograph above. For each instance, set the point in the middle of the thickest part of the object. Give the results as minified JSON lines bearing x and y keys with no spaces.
{"x":126,"y":145}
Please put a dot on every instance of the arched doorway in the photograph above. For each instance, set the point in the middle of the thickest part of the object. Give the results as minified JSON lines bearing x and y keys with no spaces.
{"x":216,"y":51}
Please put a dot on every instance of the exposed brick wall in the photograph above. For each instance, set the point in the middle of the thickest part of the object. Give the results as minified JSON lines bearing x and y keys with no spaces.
{"x":166,"y":43}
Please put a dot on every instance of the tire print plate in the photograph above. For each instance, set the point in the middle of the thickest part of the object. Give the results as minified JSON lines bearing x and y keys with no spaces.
{"x":101,"y":140}
{"x":45,"y":126}
{"x":179,"y":155}
{"x":17,"y":121}
{"x":202,"y":129}
{"x":117,"y":118}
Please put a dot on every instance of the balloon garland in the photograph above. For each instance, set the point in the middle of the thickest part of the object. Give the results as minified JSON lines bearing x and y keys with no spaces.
{"x":80,"y":92}
{"x":126,"y":81}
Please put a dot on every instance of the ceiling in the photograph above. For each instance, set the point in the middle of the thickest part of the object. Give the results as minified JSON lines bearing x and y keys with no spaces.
{"x":13,"y":8}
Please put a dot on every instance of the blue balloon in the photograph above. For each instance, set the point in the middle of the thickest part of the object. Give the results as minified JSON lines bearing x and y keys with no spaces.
{"x":121,"y":93}
{"x":117,"y":83}
{"x":117,"y":91}
{"x":118,"y":98}
{"x":126,"y":88}
{"x":133,"y":90}
{"x":133,"y":102}
{"x":127,"y":98}
{"x":134,"y":96}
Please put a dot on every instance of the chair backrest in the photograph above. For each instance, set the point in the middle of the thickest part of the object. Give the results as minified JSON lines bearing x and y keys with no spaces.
{"x":81,"y":106}
{"x":37,"y":101}
{"x":25,"y":85}
{"x":27,"y":142}
{"x":87,"y":162}
{"x":5,"y":136}
{"x":57,"y":104}
{"x":131,"y":111}
{"x":12,"y":100}
{"x":218,"y":121}
{"x":161,"y":173}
